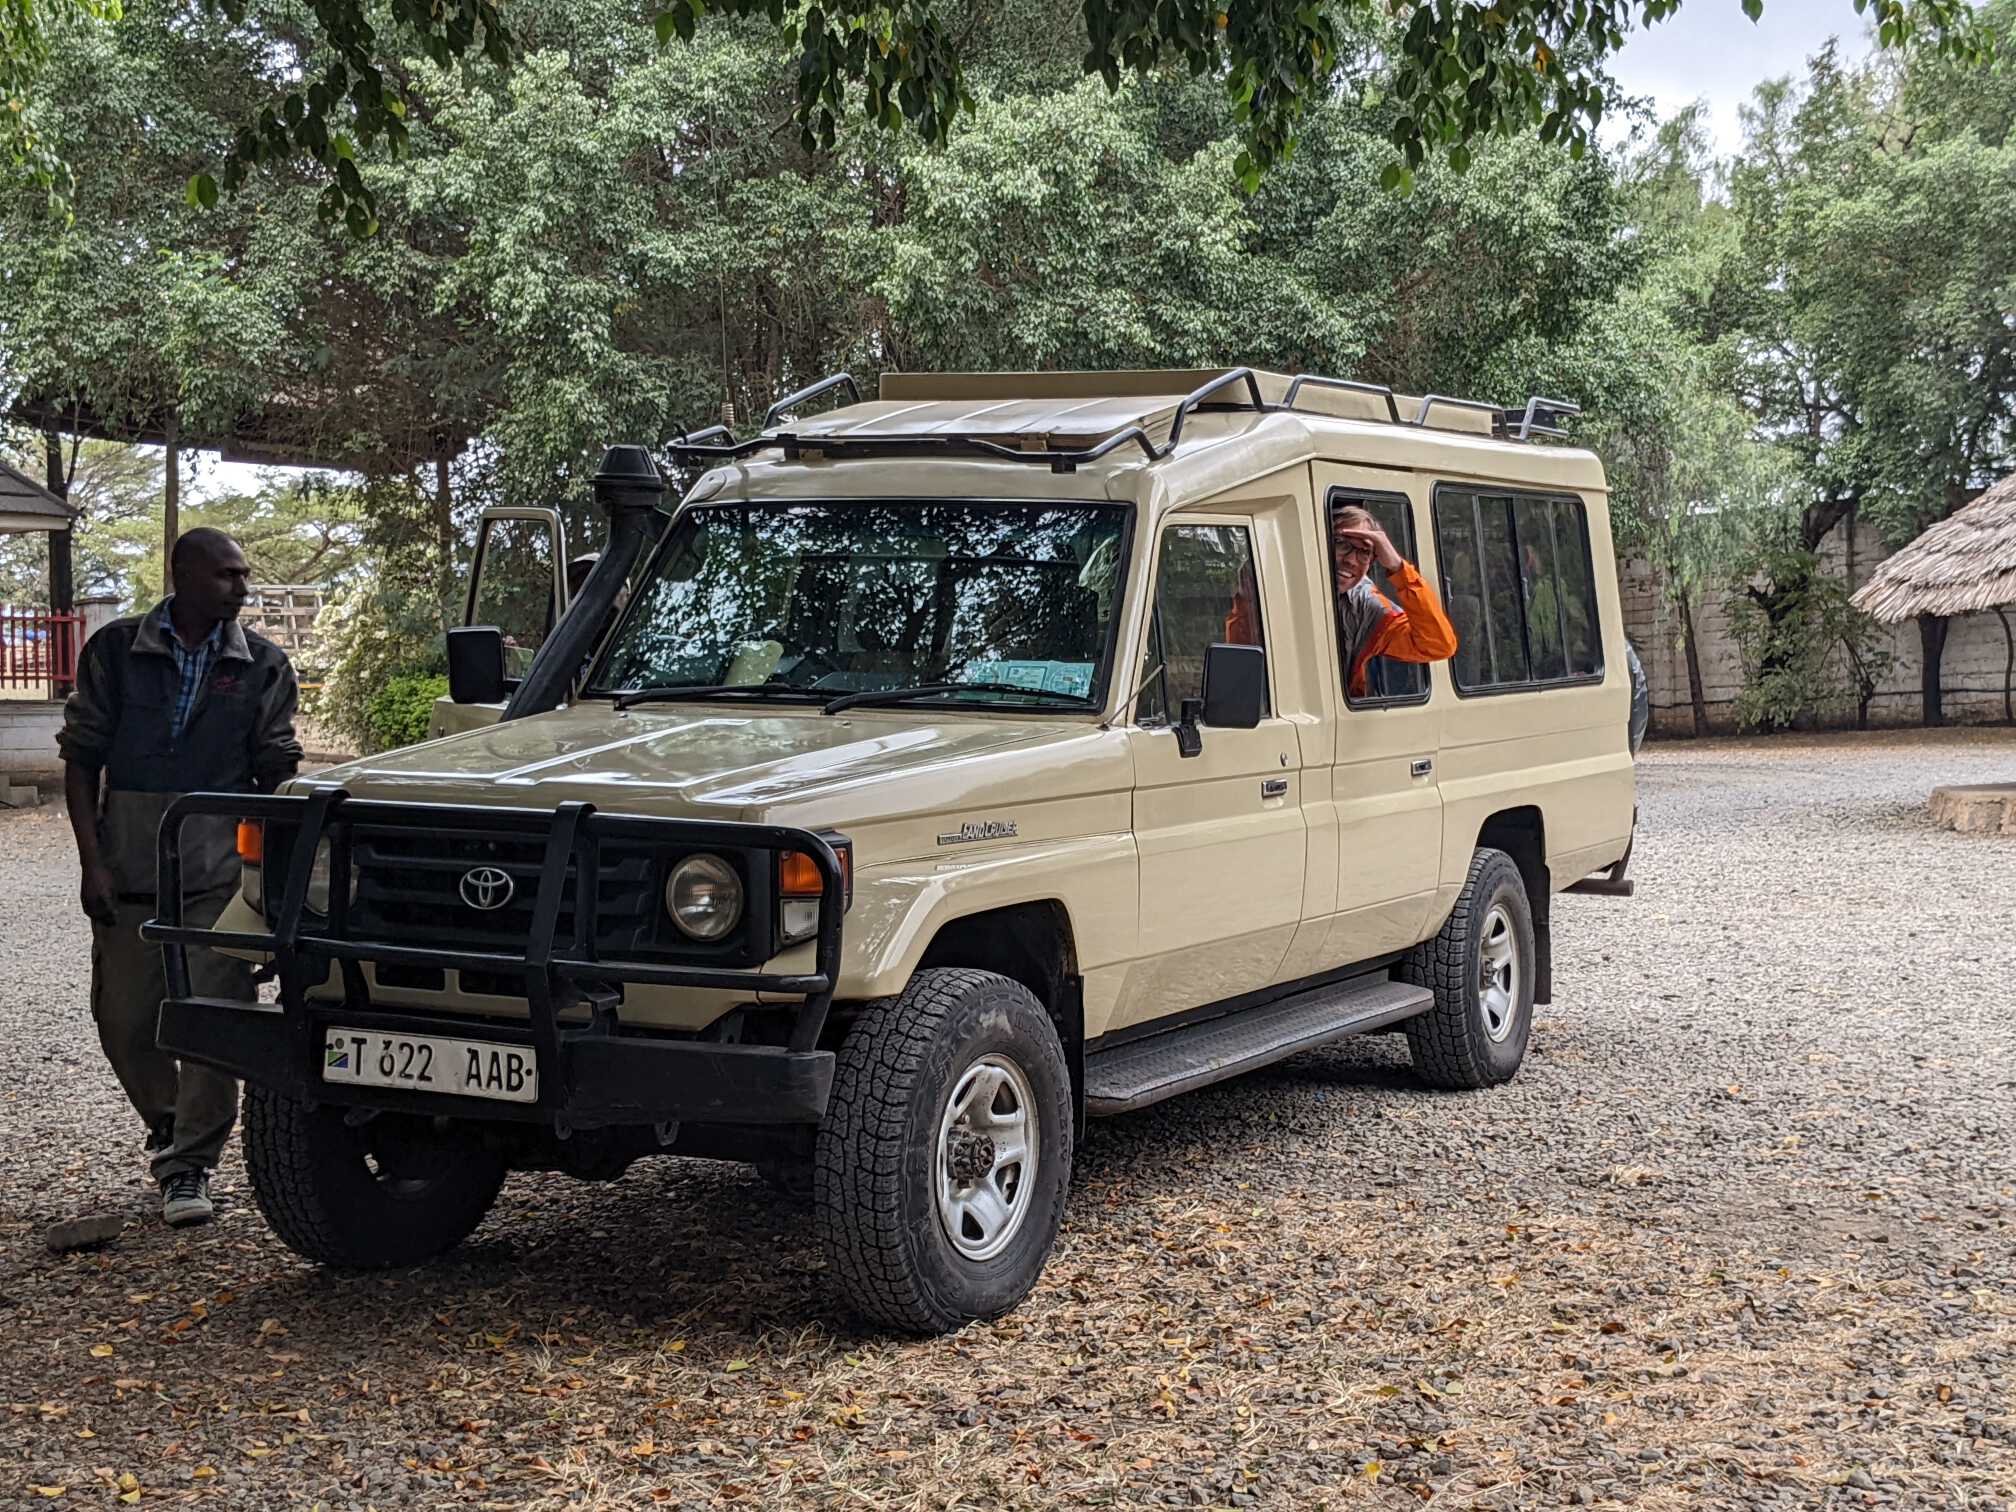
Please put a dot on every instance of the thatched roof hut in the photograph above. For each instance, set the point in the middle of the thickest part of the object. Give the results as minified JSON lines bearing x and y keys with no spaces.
{"x":1964,"y":564}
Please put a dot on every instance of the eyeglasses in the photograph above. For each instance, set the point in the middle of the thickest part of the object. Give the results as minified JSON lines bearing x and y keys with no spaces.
{"x":1344,"y":546}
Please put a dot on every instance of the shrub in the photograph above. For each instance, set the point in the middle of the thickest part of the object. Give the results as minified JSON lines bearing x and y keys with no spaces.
{"x":371,"y":637}
{"x":399,"y":713}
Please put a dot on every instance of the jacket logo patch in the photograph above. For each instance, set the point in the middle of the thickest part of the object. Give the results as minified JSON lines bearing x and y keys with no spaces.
{"x":229,"y":682}
{"x":986,"y":829}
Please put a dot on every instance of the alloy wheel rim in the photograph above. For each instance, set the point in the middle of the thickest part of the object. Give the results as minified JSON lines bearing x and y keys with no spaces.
{"x":1498,"y":975}
{"x":986,"y":1154}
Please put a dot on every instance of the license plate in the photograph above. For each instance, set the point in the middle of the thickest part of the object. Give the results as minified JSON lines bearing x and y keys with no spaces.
{"x":427,"y":1063}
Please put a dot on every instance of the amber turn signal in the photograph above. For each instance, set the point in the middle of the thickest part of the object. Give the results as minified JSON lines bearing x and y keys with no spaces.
{"x":798,"y":874}
{"x":251,"y":842}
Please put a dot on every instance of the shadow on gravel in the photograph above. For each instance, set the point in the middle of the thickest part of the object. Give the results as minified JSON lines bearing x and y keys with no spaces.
{"x":684,"y":1247}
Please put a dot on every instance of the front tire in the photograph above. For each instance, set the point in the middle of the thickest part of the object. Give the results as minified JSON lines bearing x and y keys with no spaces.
{"x":1480,"y":968}
{"x":945,"y":1153}
{"x":392,"y":1191}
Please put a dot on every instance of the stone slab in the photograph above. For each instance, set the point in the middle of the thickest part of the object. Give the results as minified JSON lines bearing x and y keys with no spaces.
{"x":1981,"y":809}
{"x":84,"y":1233}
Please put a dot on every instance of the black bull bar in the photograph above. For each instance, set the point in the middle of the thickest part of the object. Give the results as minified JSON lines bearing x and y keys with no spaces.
{"x":590,"y":1074}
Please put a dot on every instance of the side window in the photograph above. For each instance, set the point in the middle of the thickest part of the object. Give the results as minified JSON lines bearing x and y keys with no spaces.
{"x":1206,"y":593}
{"x":516,"y":570}
{"x":1387,"y":681}
{"x":1521,"y":593}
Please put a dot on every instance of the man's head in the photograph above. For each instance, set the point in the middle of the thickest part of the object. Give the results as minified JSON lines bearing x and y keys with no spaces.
{"x":211,"y":577}
{"x":1353,"y":553}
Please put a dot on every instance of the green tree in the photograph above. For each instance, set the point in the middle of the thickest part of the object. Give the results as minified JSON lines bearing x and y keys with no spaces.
{"x":1463,"y":73}
{"x":1864,"y":313}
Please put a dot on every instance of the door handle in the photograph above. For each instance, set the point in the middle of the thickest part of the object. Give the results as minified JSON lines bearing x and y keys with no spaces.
{"x":1422,"y":766}
{"x":1274,"y":787}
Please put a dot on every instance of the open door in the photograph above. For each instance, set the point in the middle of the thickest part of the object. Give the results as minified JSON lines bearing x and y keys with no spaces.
{"x":518,"y":583}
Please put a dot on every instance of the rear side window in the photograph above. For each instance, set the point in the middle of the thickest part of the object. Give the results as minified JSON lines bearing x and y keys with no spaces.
{"x":1387,"y":681}
{"x":1520,"y":588}
{"x":1206,"y":592}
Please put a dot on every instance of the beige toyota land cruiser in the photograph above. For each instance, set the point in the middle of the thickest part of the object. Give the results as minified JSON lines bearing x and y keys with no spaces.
{"x":946,"y":770}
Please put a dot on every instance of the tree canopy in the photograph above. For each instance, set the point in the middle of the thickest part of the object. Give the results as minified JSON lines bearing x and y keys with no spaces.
{"x":342,"y":79}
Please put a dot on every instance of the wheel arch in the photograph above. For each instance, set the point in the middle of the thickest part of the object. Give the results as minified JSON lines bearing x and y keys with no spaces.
{"x":1522,"y":834}
{"x":1032,"y":943}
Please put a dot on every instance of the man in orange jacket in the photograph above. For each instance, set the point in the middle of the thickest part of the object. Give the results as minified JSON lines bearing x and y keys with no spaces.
{"x":1368,"y":623}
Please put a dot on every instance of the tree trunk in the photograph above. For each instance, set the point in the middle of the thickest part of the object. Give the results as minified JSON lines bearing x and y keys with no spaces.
{"x":62,"y":580}
{"x":1696,"y":694}
{"x":1932,"y":646}
{"x":444,"y":541}
{"x":171,"y":505}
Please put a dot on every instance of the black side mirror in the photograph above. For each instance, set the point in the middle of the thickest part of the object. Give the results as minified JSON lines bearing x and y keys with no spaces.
{"x":1235,"y":686}
{"x":476,"y":664}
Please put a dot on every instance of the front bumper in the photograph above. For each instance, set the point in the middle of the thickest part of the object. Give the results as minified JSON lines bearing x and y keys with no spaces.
{"x":591,"y":1074}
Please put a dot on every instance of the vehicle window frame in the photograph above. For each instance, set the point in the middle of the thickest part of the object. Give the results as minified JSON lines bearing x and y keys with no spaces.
{"x":1102,"y":674}
{"x":1151,"y":633}
{"x":1339,"y":494}
{"x":1474,"y":495}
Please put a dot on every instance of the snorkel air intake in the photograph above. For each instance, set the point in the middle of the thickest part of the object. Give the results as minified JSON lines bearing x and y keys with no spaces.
{"x":630,"y":491}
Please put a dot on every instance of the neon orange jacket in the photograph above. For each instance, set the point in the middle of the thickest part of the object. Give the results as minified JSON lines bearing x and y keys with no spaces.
{"x":1414,"y":630}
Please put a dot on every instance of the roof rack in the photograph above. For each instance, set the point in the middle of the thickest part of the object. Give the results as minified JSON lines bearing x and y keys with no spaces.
{"x":1541,"y":417}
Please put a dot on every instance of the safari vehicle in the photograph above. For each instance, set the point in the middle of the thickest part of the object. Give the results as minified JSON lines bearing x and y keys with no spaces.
{"x":916,"y":810}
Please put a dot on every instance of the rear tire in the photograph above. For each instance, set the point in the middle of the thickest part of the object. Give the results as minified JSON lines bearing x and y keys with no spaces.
{"x":1480,"y":968}
{"x":945,"y":1153}
{"x":393,"y":1191}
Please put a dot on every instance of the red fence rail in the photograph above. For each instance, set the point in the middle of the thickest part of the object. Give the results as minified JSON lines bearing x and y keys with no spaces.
{"x":38,"y":649}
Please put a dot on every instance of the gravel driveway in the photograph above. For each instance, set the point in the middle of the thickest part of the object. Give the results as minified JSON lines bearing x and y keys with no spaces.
{"x":1740,"y":1235}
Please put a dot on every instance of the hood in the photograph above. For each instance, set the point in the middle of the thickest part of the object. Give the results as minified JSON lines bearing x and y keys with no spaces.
{"x":782,"y":767}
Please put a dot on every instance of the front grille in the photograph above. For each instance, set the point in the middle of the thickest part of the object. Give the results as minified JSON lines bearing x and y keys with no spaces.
{"x":409,"y":891}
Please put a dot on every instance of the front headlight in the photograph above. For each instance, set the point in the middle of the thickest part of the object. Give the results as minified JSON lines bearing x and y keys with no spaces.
{"x":704,"y":897}
{"x":318,"y":880}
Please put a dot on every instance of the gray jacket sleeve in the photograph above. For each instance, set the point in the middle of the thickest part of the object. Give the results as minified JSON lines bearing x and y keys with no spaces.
{"x":276,"y":751}
{"x":90,"y":712}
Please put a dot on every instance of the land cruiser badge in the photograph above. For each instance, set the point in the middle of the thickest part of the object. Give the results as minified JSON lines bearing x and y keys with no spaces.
{"x":986,"y":829}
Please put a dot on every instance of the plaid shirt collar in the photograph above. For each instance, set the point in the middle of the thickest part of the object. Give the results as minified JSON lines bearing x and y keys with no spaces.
{"x":194,"y":666}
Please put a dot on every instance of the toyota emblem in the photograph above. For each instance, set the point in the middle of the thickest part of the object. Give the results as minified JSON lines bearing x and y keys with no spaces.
{"x":486,"y":887}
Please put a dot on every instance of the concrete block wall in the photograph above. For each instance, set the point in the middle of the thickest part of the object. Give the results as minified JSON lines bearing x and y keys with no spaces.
{"x":1971,"y":670}
{"x":28,"y":741}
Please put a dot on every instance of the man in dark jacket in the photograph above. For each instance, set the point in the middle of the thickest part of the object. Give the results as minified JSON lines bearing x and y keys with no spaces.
{"x":180,"y":699}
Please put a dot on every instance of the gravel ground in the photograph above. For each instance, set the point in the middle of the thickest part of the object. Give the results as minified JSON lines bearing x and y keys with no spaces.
{"x":1739,"y":1236}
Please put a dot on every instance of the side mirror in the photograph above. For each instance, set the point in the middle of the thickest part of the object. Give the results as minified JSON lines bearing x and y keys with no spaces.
{"x":1235,"y":686}
{"x":476,"y":664}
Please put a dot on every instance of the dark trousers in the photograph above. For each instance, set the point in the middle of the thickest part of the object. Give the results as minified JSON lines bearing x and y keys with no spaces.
{"x":127,"y":985}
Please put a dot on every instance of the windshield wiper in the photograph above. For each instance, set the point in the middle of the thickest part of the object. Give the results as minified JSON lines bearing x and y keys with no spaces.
{"x":711,"y":690}
{"x":940,"y":690}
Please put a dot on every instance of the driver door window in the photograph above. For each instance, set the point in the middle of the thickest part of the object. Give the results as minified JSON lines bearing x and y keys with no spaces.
{"x":1206,"y":593}
{"x":515,"y":582}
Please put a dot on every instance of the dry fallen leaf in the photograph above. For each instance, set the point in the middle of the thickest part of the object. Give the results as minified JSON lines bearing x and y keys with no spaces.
{"x":101,"y":1351}
{"x":50,"y":1491}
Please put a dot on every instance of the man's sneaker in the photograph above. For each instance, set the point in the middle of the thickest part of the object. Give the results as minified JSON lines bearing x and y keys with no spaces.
{"x":185,"y":1199}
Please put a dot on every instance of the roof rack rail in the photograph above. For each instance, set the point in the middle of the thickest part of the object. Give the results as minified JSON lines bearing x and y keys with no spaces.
{"x":1429,"y":403}
{"x":810,"y":392}
{"x":1343,"y":385}
{"x":1541,"y":417}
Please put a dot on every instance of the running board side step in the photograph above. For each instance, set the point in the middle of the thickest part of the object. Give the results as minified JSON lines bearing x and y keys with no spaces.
{"x":1145,"y":1071}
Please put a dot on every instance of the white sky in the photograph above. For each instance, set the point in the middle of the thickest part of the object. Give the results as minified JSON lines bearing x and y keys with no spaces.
{"x":1711,"y":51}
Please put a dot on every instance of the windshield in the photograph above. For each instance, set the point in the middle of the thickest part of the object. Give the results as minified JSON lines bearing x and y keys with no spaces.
{"x":862,"y":597}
